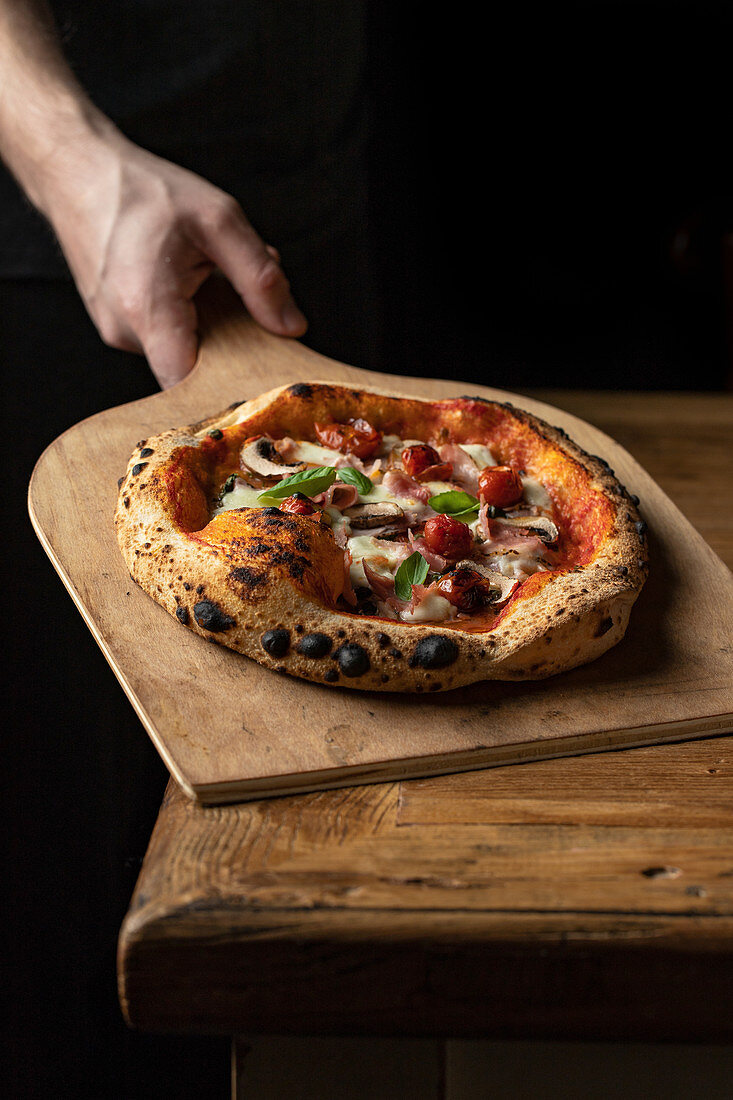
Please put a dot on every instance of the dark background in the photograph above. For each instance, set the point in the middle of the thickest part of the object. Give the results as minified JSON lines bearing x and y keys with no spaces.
{"x":548,"y":205}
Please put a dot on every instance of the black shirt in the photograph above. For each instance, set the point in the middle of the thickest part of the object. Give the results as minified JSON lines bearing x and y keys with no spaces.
{"x":264,"y":99}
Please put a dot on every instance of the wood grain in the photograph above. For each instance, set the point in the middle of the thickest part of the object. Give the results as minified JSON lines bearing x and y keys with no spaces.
{"x":344,"y":912}
{"x":229,"y":729}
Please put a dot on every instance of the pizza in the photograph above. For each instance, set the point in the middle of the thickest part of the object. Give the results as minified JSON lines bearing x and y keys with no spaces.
{"x":364,"y":539}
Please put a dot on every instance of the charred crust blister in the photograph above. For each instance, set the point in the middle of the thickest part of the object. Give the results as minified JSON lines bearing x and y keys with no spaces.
{"x":353,"y":659}
{"x":315,"y":645}
{"x":435,"y":651}
{"x":182,"y":615}
{"x":209,"y":616}
{"x":138,"y":468}
{"x":276,"y":643}
{"x":250,"y":578}
{"x":301,"y":389}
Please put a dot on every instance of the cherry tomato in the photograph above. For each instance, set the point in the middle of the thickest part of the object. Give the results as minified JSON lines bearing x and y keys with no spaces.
{"x":448,"y":537}
{"x":422,"y":457}
{"x":465,"y":588}
{"x":355,"y":437}
{"x":500,"y":486}
{"x":299,"y":504}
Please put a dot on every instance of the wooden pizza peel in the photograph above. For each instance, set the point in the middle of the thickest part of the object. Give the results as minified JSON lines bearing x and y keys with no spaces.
{"x":230,"y":730}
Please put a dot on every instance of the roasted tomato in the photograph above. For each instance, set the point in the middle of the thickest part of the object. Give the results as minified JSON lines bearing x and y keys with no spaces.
{"x":448,"y":537}
{"x":421,"y":459}
{"x":465,"y":588}
{"x":500,"y":486}
{"x":299,"y":504}
{"x":355,"y":437}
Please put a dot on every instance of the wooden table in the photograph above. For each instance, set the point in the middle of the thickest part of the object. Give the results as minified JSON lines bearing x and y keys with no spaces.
{"x":586,"y":897}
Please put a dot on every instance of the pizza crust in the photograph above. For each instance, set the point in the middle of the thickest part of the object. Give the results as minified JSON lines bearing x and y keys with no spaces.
{"x":265,"y":583}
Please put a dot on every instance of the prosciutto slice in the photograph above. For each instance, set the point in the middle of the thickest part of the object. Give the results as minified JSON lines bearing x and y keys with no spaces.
{"x":339,"y":495}
{"x":369,"y":468}
{"x":402,"y":485}
{"x":381,"y":586}
{"x":465,"y":470}
{"x":437,"y":562}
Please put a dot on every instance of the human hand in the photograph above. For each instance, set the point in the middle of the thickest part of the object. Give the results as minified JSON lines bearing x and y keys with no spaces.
{"x":141,"y":235}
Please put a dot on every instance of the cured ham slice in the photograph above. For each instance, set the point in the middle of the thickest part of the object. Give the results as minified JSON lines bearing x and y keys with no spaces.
{"x":381,"y":586}
{"x":465,"y":470}
{"x":402,"y":485}
{"x":339,"y":495}
{"x":437,"y":562}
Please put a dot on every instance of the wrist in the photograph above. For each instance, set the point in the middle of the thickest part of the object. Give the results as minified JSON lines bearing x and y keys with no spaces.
{"x":72,"y":146}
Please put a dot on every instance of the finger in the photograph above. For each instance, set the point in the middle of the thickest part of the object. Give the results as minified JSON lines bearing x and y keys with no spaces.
{"x":252,"y":268}
{"x":170,"y":340}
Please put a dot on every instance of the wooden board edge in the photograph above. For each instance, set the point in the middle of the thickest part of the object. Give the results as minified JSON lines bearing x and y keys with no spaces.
{"x":248,"y":790}
{"x":100,"y":640}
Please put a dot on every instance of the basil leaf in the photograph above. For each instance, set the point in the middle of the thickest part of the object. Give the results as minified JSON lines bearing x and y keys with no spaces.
{"x":413,"y":570}
{"x":454,"y":503}
{"x":310,"y":482}
{"x":356,"y":478}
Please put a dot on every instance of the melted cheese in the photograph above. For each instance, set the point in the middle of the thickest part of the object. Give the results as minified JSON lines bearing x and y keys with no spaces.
{"x":535,"y":494}
{"x":436,"y":487}
{"x":480,"y":454}
{"x":383,"y":557}
{"x":515,"y":564}
{"x":241,"y":496}
{"x":432,"y":609}
{"x":314,"y":454}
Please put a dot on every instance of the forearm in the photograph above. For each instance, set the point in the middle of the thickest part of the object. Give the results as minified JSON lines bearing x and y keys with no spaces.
{"x":49,"y":128}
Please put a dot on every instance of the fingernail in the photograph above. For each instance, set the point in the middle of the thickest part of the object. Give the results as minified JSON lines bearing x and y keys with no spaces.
{"x":293,"y":320}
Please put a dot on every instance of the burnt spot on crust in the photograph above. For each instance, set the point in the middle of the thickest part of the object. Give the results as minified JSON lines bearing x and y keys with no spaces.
{"x":315,"y":645}
{"x":641,"y":527}
{"x":146,"y":452}
{"x":242,"y":574}
{"x":138,"y":468}
{"x":296,"y":564}
{"x":301,"y":389}
{"x":435,"y":651}
{"x":119,"y":481}
{"x":604,"y":626}
{"x":353,"y":659}
{"x":271,"y":513}
{"x":396,"y":653}
{"x":210,"y":616}
{"x":182,"y":615}
{"x":216,"y":433}
{"x":474,"y":397}
{"x":384,"y":640}
{"x":276,"y":642}
{"x":331,"y":676}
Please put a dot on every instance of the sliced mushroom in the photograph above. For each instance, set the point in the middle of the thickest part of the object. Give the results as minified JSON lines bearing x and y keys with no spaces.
{"x":541,"y":526}
{"x":262,"y":457}
{"x":504,"y":586}
{"x":374,"y":515}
